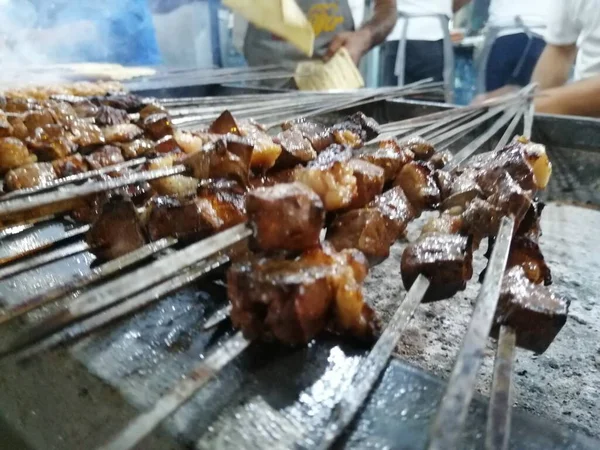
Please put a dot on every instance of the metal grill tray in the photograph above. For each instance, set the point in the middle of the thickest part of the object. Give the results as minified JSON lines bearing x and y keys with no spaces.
{"x":270,"y":398}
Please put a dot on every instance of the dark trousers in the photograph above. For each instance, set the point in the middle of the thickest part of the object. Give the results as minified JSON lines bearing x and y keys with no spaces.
{"x":512,"y":60}
{"x":424,"y":59}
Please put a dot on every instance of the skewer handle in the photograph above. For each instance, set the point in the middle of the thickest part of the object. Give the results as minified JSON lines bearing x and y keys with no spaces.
{"x":500,"y":407}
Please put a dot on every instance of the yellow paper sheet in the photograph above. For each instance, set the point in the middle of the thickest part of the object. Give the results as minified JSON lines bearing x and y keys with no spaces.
{"x":281,"y":17}
{"x":339,"y":72}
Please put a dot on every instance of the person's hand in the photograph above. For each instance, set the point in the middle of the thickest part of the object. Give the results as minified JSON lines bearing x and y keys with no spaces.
{"x":356,"y":42}
{"x":504,"y":90}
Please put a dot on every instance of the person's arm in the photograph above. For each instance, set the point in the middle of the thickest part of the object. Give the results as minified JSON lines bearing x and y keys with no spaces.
{"x":372,"y":33}
{"x":554,"y":66}
{"x":577,"y":99}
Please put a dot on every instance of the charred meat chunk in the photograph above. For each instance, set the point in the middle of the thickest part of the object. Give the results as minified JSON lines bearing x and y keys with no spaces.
{"x":108,"y":155}
{"x":285,"y":217}
{"x":150,"y":109}
{"x":158,"y":126}
{"x":38,"y":119}
{"x":396,"y":208}
{"x":50,"y":142}
{"x":390,"y":157}
{"x":481,"y":219}
{"x":228,"y":199}
{"x":117,"y":231}
{"x":134,"y":149}
{"x":19,"y":130}
{"x":445,"y":260}
{"x":533,"y":311}
{"x":167,"y":144}
{"x":443,"y":224}
{"x":124,"y":132}
{"x":175,"y":185}
{"x":348,"y":133}
{"x":369,"y":182}
{"x":320,"y":137}
{"x":419,"y":147}
{"x":71,"y":165}
{"x":463,"y":189}
{"x":369,"y":126}
{"x":128,"y":102}
{"x":509,"y":197}
{"x":439,"y":160}
{"x":295,"y":149}
{"x":417,"y":182}
{"x":266,"y":152}
{"x":85,"y":134}
{"x":225,"y":124}
{"x":13,"y":153}
{"x":31,"y":175}
{"x":108,"y":116}
{"x":526,"y":253}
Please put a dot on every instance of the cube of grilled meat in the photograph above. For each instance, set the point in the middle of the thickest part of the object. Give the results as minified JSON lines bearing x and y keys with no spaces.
{"x":533,"y":311}
{"x":166,"y":145}
{"x":439,"y":160}
{"x":50,"y":142}
{"x":128,"y":102}
{"x":224,"y":124}
{"x":108,"y":155}
{"x":444,"y":181}
{"x":417,"y":182}
{"x":187,"y":141}
{"x":396,"y":208}
{"x":443,"y":224}
{"x":444,"y":259}
{"x":390,"y":157}
{"x":124,"y":132}
{"x":38,"y":119}
{"x":13,"y":153}
{"x":285,"y":217}
{"x":526,"y":253}
{"x":273,"y":178}
{"x":295,"y":149}
{"x":30,"y":175}
{"x":228,"y":157}
{"x":419,"y":147}
{"x":266,"y":151}
{"x":369,"y":182}
{"x":369,"y":126}
{"x":107,"y":116}
{"x":507,"y":195}
{"x":117,"y":231}
{"x":228,"y":199}
{"x":71,"y":165}
{"x":365,"y":229}
{"x":293,"y":301}
{"x":288,"y":301}
{"x":91,"y":209}
{"x":85,"y":134}
{"x":530,"y":225}
{"x":158,"y":125}
{"x":20,"y":105}
{"x":462,"y":190}
{"x":150,"y":109}
{"x":6,"y":129}
{"x":481,"y":219}
{"x":320,"y":137}
{"x":348,"y":134}
{"x":175,"y":185}
{"x":85,"y":108}
{"x":62,"y":112}
{"x":136,"y":148}
{"x":19,"y":130}
{"x":331,"y":178}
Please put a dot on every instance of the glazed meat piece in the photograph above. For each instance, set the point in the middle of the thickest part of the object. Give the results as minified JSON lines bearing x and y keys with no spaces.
{"x":124,"y":132}
{"x":333,"y":182}
{"x":396,"y":208}
{"x":50,"y":142}
{"x":417,"y":182}
{"x":228,"y":157}
{"x":369,"y":126}
{"x":348,"y":133}
{"x":71,"y":165}
{"x":285,"y":217}
{"x":390,"y":157}
{"x":463,"y":189}
{"x":128,"y":102}
{"x":29,"y":176}
{"x":228,"y":199}
{"x":6,"y":128}
{"x":20,"y":105}
{"x":273,"y":178}
{"x":37,"y":119}
{"x":535,"y":312}
{"x":175,"y":185}
{"x":266,"y":151}
{"x":183,"y":218}
{"x":419,"y":147}
{"x":443,"y":224}
{"x":13,"y":153}
{"x":19,"y":130}
{"x":62,"y":112}
{"x":287,"y":301}
{"x":526,"y":253}
{"x":167,"y":144}
{"x":439,"y":160}
{"x":530,"y":225}
{"x":365,"y":229}
{"x":369,"y":182}
{"x":481,"y":219}
{"x":295,"y":149}
{"x":85,"y":108}
{"x":506,"y":195}
{"x":91,"y":209}
{"x":187,"y":141}
{"x":224,"y":124}
{"x":108,"y":155}
{"x":137,"y":148}
{"x":320,"y":137}
{"x":445,"y":260}
{"x":117,"y":231}
{"x":86,"y":134}
{"x":157,"y":126}
{"x":108,"y":116}
{"x":150,"y":109}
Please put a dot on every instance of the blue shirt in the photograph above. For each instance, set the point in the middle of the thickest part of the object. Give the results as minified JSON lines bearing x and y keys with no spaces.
{"x":125,"y":30}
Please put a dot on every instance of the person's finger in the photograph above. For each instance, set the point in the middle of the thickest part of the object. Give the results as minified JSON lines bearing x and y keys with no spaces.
{"x":336,"y":43}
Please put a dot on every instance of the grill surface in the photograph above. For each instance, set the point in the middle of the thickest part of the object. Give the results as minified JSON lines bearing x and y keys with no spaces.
{"x":76,"y":398}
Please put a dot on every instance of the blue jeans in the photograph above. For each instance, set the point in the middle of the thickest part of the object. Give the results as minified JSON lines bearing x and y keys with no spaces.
{"x":512,"y":60}
{"x":424,"y":59}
